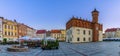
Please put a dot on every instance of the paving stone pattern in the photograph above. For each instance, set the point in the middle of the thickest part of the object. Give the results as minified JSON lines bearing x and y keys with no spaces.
{"x":68,"y":49}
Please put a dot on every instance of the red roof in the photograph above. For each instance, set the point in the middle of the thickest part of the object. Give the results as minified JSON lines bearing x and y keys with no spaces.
{"x":40,"y":31}
{"x":55,"y":31}
{"x":111,"y":30}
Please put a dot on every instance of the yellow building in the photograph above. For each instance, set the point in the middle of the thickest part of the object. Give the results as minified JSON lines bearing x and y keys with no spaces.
{"x":56,"y":33}
{"x":63,"y":35}
{"x":10,"y":30}
{"x":59,"y":34}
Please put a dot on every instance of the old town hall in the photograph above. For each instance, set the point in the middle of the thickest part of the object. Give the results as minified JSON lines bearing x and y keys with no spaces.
{"x":80,"y":30}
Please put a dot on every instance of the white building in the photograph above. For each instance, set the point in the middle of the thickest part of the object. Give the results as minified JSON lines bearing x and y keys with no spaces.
{"x":56,"y":34}
{"x":41,"y":33}
{"x":112,"y":32}
{"x":31,"y":32}
{"x":79,"y":30}
{"x":77,"y":34}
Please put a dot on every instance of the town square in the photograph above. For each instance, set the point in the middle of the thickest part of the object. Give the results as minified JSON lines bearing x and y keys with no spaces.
{"x":67,"y":49}
{"x":59,"y":28}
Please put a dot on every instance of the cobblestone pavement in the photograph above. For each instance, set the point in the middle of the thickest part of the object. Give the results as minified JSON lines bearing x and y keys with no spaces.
{"x":67,"y":49}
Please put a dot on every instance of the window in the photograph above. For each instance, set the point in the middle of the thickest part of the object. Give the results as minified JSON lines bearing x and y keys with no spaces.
{"x":89,"y":32}
{"x":8,"y":27}
{"x":5,"y":26}
{"x":12,"y":27}
{"x":9,"y":33}
{"x":15,"y":28}
{"x":84,"y":32}
{"x":78,"y":31}
{"x":78,"y":39}
{"x":84,"y":39}
{"x":15,"y":34}
{"x":5,"y":33}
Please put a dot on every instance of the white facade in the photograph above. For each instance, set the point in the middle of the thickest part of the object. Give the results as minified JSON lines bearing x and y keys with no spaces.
{"x":43,"y":35}
{"x":112,"y":34}
{"x":56,"y":35}
{"x":31,"y":32}
{"x":117,"y":33}
{"x":34,"y":33}
{"x":100,"y":36}
{"x":77,"y":35}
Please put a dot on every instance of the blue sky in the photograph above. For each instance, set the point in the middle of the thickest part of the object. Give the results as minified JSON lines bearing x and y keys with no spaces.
{"x":53,"y":14}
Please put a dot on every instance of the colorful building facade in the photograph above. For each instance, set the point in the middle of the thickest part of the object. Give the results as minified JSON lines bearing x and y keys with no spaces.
{"x":10,"y":29}
{"x":59,"y":34}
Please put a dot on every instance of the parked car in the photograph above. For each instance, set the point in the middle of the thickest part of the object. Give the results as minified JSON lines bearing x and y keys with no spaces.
{"x":49,"y":43}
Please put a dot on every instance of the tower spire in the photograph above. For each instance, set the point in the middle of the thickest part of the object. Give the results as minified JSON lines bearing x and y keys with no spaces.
{"x":95,"y":15}
{"x":95,"y":10}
